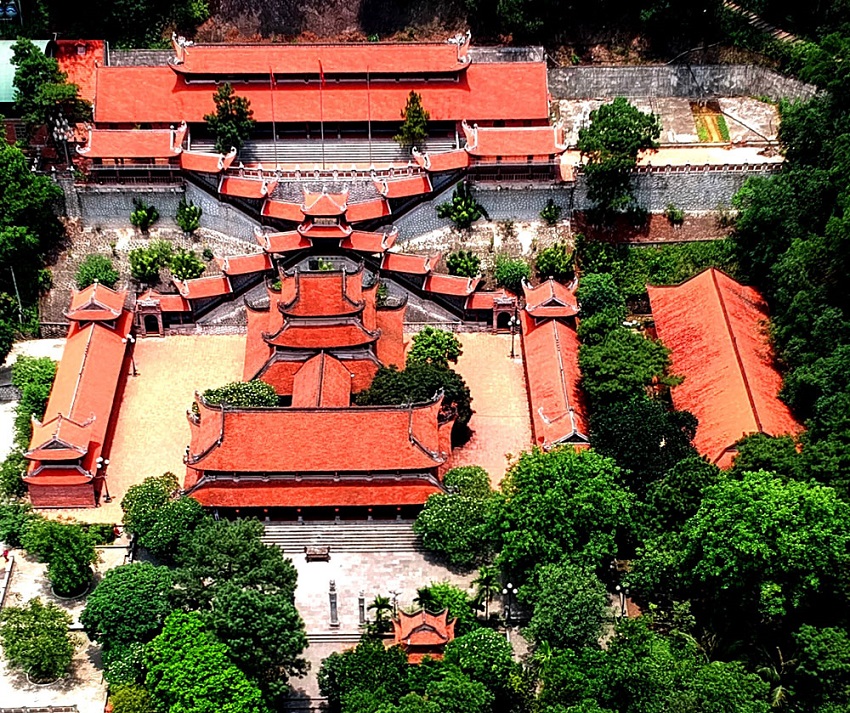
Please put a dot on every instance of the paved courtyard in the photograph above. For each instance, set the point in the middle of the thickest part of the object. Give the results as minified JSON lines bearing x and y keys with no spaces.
{"x":501,"y":424}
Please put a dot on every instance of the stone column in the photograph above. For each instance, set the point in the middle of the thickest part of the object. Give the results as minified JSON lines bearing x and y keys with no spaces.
{"x":333,"y":602}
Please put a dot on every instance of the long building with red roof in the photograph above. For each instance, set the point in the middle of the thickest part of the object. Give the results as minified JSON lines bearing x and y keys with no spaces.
{"x":716,"y":331}
{"x":68,"y":449}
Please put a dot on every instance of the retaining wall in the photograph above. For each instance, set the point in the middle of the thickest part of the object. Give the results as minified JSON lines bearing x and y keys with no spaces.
{"x":675,"y":80}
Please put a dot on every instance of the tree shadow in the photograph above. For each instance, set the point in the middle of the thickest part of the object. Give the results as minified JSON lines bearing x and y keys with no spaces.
{"x":415,"y":19}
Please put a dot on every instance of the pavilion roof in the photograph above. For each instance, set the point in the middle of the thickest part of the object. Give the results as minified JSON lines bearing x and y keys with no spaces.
{"x":168,"y":302}
{"x":60,"y":438}
{"x":487,"y":300}
{"x":244,"y":264}
{"x":322,"y":293}
{"x":206,"y":162}
{"x":300,"y":335}
{"x":403,"y":187}
{"x":287,"y":241}
{"x":134,"y":143}
{"x":282,"y":210}
{"x":96,"y":303}
{"x":310,"y":229}
{"x":452,"y":285}
{"x":241,"y":187}
{"x":323,"y":382}
{"x":550,"y":299}
{"x":330,"y":440}
{"x":423,"y":629}
{"x":486,"y":91}
{"x":315,"y":59}
{"x":361,"y":241}
{"x":324,"y":204}
{"x":715,"y":329}
{"x":444,"y":161}
{"x":203,"y":287}
{"x":514,"y":140}
{"x":411,"y":264}
{"x":558,"y":413}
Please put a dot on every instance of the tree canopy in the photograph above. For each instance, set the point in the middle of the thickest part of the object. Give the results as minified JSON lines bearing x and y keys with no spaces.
{"x":35,"y":639}
{"x":434,"y":346}
{"x":232,"y":121}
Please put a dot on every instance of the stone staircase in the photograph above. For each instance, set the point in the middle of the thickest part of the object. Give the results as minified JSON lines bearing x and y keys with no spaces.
{"x":342,"y":152}
{"x":354,"y":536}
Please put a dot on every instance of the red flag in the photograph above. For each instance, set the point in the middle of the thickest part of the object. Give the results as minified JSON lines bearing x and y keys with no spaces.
{"x":321,"y":73}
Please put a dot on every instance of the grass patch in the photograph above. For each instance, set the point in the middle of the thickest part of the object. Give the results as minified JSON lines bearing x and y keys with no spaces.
{"x":702,"y":130}
{"x":723,"y":128}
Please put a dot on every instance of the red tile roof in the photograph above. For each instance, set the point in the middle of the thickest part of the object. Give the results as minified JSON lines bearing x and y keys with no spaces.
{"x":551,"y":371}
{"x":203,"y":287}
{"x":423,"y":629}
{"x":96,"y":303}
{"x":133,"y":143}
{"x":244,"y":264}
{"x":322,"y":294}
{"x":714,"y":327}
{"x":168,"y":302}
{"x":410,"y":264}
{"x":403,"y":187}
{"x":450,"y":284}
{"x":367,"y":210}
{"x":206,"y":162}
{"x":245,"y":187}
{"x":353,"y":439}
{"x":335,"y":59}
{"x":77,"y":59}
{"x":286,"y":493}
{"x":83,"y":393}
{"x":487,"y":300}
{"x":324,"y":204}
{"x":282,"y":210}
{"x":550,"y":299}
{"x":323,"y":382}
{"x":288,"y":241}
{"x":364,"y":242}
{"x":298,"y":335}
{"x":446,"y":161}
{"x":486,"y":91}
{"x":514,"y":141}
{"x":330,"y":232}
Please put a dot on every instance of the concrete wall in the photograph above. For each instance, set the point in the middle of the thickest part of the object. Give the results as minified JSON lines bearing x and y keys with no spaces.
{"x":686,"y":81}
{"x":222,"y":217}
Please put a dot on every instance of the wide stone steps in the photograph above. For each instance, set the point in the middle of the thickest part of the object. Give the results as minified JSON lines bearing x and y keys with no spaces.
{"x":334,"y":637}
{"x":373,"y":536}
{"x":340,"y":152}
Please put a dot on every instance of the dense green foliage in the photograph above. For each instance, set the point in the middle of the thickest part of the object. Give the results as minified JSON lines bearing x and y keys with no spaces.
{"x":232,"y":122}
{"x":511,"y":272}
{"x":610,"y":144}
{"x":188,"y":216}
{"x":147,"y":261}
{"x":414,"y":123}
{"x":434,"y":346}
{"x":68,"y":551}
{"x":96,"y":268}
{"x":438,"y":596}
{"x":35,"y":639}
{"x":143,"y":216}
{"x":551,"y":212}
{"x":463,"y":209}
{"x":555,"y":261}
{"x":464,"y":263}
{"x":186,"y":265}
{"x":242,"y":394}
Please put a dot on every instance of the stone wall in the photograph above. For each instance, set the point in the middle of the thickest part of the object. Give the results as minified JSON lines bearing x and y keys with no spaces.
{"x":678,"y":80}
{"x":222,"y":217}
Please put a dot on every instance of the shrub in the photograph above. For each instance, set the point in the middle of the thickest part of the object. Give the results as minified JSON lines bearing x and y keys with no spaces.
{"x":96,"y":268}
{"x":33,"y":377}
{"x":144,"y":266}
{"x":15,"y":518}
{"x":35,"y":639}
{"x":12,"y":472}
{"x":242,"y":394}
{"x":144,"y":216}
{"x":551,"y":212}
{"x":68,"y":551}
{"x":463,"y":210}
{"x":434,"y":346}
{"x":188,"y":216}
{"x":469,"y":480}
{"x":555,"y":261}
{"x":442,"y":595}
{"x":130,"y":698}
{"x":510,"y":272}
{"x":186,"y":265}
{"x":464,"y":263}
{"x":675,"y":215}
{"x":207,"y":254}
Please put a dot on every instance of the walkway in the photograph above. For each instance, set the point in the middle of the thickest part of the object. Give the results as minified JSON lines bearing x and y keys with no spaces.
{"x":760,"y":24}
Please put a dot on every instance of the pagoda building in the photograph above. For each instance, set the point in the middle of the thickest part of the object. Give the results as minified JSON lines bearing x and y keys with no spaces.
{"x":423,"y":634}
{"x":320,"y":337}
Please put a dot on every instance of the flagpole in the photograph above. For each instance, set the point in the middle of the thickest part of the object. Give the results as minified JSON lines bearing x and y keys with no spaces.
{"x":369,"y":110}
{"x":274,"y":127}
{"x":322,"y":110}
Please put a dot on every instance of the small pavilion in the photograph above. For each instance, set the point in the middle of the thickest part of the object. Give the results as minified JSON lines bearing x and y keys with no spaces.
{"x":423,"y":634}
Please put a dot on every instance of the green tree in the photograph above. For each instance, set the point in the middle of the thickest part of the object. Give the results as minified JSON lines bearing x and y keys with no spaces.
{"x":383,"y":609}
{"x":370,"y":667}
{"x":775,"y":454}
{"x":464,"y":263}
{"x":130,"y":698}
{"x":129,"y":605}
{"x":551,"y":212}
{"x":456,"y":693}
{"x":414,"y":126}
{"x":12,"y":472}
{"x":487,"y":585}
{"x":68,"y":551}
{"x":486,"y":657}
{"x":15,"y":518}
{"x":35,"y":639}
{"x":434,"y":346}
{"x":146,"y":262}
{"x":555,"y":261}
{"x":511,"y":272}
{"x":143,"y":215}
{"x":42,"y":92}
{"x":463,"y":209}
{"x":610,"y":144}
{"x":96,"y":268}
{"x":232,"y":121}
{"x":186,"y":265}
{"x":219,"y":552}
{"x":264,"y":634}
{"x":442,"y":595}
{"x":188,"y":216}
{"x":822,"y":676}
{"x":242,"y":394}
{"x":189,"y":669}
{"x":602,"y":307}
{"x":33,"y":378}
{"x":560,"y":504}
{"x":569,"y":606}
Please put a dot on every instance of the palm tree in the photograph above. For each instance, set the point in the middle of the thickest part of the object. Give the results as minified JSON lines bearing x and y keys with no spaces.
{"x":425,"y":600}
{"x":382,"y":607}
{"x":486,"y":587}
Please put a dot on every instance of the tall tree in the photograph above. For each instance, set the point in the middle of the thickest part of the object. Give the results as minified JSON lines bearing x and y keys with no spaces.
{"x":414,"y":125}
{"x":232,"y":121}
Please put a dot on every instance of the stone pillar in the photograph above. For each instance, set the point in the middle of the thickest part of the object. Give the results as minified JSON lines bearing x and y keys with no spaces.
{"x":361,"y":606}
{"x":333,"y":602}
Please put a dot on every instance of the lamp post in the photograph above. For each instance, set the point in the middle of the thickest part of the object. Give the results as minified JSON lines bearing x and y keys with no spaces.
{"x":513,"y":323}
{"x":101,"y":467}
{"x":395,"y":593}
{"x":622,"y":594}
{"x":132,"y":340}
{"x":62,"y":134}
{"x":507,"y":592}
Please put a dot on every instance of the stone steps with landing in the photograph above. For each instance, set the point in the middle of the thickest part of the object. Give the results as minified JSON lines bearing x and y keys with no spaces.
{"x":374,"y":536}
